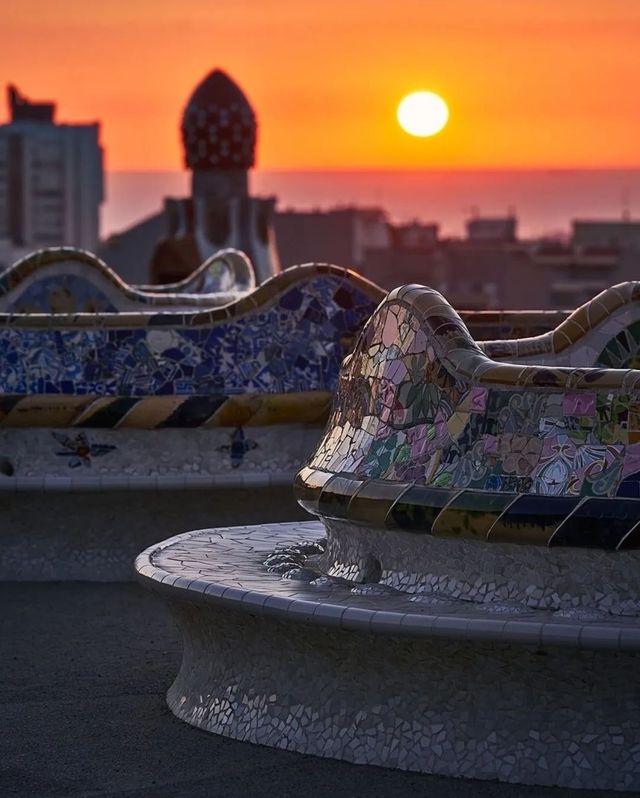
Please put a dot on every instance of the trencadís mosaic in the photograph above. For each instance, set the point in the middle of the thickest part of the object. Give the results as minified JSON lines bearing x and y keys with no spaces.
{"x":70,"y":280}
{"x":288,"y":336}
{"x":437,"y":437}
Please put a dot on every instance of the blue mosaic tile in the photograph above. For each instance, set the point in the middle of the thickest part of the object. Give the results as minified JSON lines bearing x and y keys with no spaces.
{"x":296,"y":344}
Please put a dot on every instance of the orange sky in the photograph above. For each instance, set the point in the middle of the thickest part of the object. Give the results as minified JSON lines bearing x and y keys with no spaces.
{"x":530,"y":83}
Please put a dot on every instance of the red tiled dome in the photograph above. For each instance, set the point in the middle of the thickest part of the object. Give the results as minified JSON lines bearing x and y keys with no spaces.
{"x":219,"y":126}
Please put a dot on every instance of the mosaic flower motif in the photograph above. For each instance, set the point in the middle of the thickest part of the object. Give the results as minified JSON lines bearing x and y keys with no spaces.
{"x":383,"y":453}
{"x":478,"y":400}
{"x":237,"y":447}
{"x":522,"y":412}
{"x":598,"y":469}
{"x":421,"y":401}
{"x":471,"y":467}
{"x":570,"y":426}
{"x":418,"y":438}
{"x":519,"y":453}
{"x":358,"y":447}
{"x":579,"y":404}
{"x":411,"y":472}
{"x":80,"y":450}
{"x":508,"y":483}
{"x":555,"y":469}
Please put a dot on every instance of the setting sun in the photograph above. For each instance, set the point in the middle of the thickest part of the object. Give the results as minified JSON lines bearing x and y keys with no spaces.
{"x":422,"y":113}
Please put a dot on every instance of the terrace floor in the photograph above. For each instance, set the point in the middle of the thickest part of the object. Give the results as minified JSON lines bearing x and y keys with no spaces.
{"x":84,"y":671}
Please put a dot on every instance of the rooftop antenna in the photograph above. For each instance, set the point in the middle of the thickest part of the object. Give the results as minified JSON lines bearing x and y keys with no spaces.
{"x":625,"y":201}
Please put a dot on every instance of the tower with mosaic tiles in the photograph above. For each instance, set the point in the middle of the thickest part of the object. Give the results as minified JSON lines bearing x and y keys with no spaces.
{"x":219,"y":134}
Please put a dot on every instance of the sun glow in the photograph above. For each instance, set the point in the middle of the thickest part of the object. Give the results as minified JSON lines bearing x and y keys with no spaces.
{"x":422,"y":113}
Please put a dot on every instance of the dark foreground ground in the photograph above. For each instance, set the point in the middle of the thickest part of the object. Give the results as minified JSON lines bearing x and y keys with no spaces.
{"x":83,"y":672}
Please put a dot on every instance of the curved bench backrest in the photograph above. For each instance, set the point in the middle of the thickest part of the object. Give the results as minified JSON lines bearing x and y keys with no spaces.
{"x":420,"y":402}
{"x":226,"y":270}
{"x":501,"y":325}
{"x":604,"y":332}
{"x":288,"y":336}
{"x":68,"y":280}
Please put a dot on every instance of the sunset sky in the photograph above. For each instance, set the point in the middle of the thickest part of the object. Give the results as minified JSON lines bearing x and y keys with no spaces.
{"x":531,"y":83}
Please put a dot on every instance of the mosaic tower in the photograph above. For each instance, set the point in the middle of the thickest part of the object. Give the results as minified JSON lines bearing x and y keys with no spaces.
{"x":219,"y":132}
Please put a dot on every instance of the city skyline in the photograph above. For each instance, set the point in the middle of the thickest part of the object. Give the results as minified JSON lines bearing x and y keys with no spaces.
{"x":542,"y":85}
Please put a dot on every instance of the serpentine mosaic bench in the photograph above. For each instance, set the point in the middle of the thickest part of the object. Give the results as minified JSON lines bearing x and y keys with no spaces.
{"x":168,"y":368}
{"x":165,"y":397}
{"x":469,"y":602}
{"x":604,"y":332}
{"x":115,"y":405}
{"x":70,"y":280}
{"x":168,"y":399}
{"x":535,"y":469}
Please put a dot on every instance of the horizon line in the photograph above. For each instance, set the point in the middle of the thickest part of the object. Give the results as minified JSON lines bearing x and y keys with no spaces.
{"x":396,"y":170}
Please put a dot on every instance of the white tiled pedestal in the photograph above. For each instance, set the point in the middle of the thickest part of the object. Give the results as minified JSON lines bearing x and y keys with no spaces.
{"x":384,"y":680}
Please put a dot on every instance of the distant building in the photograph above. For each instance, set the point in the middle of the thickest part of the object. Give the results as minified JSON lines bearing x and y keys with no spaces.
{"x":416,"y":235}
{"x":341,"y":235}
{"x":51,"y":179}
{"x":623,"y":233}
{"x":600,"y":253}
{"x":472,"y":275}
{"x":486,"y":275}
{"x":495,"y":229}
{"x":219,"y":132}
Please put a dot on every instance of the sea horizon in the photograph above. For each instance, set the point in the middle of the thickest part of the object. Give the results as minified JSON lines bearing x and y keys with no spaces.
{"x":545,"y":200}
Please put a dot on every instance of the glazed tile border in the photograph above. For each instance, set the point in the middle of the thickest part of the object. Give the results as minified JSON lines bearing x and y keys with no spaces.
{"x":164,"y":412}
{"x":524,"y":518}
